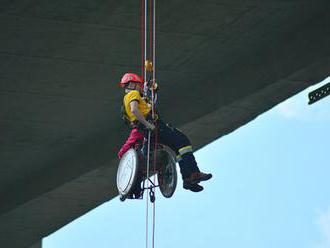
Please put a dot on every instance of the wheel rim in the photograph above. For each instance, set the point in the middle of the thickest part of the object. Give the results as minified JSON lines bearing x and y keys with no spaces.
{"x":127,"y":172}
{"x":167,"y":176}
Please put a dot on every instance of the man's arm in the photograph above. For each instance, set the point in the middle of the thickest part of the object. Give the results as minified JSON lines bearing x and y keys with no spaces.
{"x":139,"y":116}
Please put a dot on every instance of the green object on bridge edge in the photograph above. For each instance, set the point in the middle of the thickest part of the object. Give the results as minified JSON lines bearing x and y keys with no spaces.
{"x":319,"y":93}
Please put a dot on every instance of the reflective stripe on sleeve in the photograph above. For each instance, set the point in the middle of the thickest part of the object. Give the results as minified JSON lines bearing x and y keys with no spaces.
{"x":185,"y":150}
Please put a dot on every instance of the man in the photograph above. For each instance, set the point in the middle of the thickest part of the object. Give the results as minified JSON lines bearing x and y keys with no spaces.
{"x":138,"y":112}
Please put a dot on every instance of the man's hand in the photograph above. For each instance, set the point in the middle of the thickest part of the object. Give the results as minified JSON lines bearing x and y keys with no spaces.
{"x":136,"y":112}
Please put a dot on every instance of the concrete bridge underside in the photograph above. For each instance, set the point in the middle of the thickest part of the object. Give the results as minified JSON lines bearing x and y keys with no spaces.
{"x":220,"y":64}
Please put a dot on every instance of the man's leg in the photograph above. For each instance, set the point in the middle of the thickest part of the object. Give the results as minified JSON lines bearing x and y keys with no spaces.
{"x":134,"y":137}
{"x":179,"y":142}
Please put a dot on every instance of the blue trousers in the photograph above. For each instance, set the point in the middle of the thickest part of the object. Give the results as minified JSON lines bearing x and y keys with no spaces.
{"x":180,"y":144}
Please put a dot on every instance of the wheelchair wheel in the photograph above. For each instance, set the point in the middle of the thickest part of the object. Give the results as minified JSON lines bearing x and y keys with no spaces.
{"x":167,"y":175}
{"x":127,"y":172}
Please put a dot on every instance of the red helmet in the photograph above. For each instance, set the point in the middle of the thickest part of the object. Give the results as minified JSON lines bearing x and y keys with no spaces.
{"x":130,"y":77}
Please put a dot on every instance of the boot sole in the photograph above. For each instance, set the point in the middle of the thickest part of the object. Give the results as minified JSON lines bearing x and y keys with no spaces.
{"x":191,"y":188}
{"x":202,"y":179}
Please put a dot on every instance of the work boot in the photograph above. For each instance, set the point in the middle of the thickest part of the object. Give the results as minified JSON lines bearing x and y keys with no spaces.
{"x":197,"y":177}
{"x":193,"y":187}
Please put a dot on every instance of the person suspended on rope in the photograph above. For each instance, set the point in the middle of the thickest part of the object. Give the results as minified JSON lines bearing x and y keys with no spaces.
{"x":138,"y":112}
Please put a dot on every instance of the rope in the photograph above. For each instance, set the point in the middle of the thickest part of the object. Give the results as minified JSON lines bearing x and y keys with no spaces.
{"x":147,"y":198}
{"x":153,"y":113}
{"x":142,"y":39}
{"x":144,"y":56}
{"x":154,"y":203}
{"x":152,"y":52}
{"x":145,"y":36}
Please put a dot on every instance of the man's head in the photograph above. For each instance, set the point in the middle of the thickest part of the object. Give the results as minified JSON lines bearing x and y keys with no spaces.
{"x":131,"y":81}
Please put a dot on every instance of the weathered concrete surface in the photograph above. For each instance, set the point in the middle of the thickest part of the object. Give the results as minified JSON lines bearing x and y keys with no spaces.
{"x":37,"y":245}
{"x":59,"y":64}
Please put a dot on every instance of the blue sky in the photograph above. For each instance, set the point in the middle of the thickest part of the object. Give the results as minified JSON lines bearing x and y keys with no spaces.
{"x":270,"y":189}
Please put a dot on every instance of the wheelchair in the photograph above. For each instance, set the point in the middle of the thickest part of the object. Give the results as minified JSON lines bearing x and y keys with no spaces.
{"x":132,"y":173}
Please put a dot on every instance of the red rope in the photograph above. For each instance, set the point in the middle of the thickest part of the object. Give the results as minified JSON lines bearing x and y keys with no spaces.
{"x":150,"y":28}
{"x":142,"y":39}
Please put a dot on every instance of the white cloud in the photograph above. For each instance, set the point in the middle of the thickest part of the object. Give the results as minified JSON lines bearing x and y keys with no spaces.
{"x":297,"y":107}
{"x":292,"y":108}
{"x":323,"y":222}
